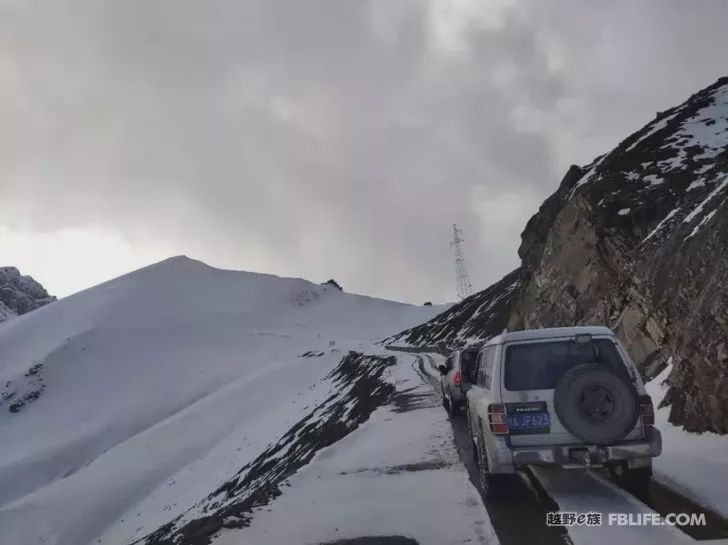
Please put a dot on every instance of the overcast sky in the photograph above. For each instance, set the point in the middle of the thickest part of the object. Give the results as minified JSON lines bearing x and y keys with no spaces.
{"x":324,"y":138}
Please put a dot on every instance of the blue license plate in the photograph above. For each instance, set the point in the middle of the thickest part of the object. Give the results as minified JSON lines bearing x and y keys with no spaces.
{"x":528,"y":422}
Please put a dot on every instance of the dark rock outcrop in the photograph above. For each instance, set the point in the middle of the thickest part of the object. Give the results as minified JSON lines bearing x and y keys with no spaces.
{"x":637,"y":240}
{"x":20,"y":294}
{"x":333,"y":283}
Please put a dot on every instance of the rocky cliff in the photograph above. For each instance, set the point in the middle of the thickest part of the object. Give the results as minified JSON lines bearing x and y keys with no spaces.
{"x":637,"y":240}
{"x":20,"y":294}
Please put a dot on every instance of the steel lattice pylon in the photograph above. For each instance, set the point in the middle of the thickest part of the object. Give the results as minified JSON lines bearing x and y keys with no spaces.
{"x":461,"y":272}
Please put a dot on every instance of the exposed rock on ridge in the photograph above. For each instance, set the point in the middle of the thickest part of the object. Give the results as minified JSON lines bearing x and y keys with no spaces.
{"x":20,"y":294}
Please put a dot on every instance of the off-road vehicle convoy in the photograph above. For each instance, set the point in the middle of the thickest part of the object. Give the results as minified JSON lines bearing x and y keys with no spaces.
{"x":563,"y":396}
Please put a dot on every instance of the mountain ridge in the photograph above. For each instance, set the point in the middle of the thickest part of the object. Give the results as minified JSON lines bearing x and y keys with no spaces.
{"x":138,"y":398}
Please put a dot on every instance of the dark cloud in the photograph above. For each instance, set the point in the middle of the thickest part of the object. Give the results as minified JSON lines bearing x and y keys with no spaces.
{"x":328,"y":138}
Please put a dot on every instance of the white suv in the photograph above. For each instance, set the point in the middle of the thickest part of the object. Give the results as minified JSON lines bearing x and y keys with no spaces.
{"x":456,"y":377}
{"x":562,"y":396}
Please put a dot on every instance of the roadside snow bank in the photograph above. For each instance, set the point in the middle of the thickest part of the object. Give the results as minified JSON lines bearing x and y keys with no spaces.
{"x":694,"y":464}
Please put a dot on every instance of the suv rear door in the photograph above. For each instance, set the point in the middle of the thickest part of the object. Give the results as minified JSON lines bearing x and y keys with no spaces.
{"x":530,"y":372}
{"x":480,"y":394}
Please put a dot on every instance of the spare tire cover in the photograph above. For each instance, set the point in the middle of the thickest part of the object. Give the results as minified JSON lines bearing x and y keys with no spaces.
{"x":595,"y":404}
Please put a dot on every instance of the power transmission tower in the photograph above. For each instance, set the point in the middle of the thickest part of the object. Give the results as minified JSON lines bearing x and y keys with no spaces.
{"x":464,"y":287}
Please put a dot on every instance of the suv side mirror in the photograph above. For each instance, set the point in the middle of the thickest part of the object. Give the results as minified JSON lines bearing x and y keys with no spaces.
{"x":442,"y":369}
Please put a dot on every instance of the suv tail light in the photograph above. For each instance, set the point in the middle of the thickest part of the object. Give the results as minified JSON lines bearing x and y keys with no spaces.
{"x":497,"y":419}
{"x":457,"y":379}
{"x":647,"y":412}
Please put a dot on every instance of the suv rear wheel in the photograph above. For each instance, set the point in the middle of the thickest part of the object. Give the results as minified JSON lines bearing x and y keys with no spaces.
{"x":453,"y":409}
{"x":491,"y":484}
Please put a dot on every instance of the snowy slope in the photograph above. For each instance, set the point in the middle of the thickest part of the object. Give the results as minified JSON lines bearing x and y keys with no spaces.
{"x":156,"y":387}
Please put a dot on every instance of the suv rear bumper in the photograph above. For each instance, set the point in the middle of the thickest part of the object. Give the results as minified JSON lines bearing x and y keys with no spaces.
{"x":582,"y":455}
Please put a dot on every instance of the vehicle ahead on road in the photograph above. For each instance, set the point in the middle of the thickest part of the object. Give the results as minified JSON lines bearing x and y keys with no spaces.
{"x":570,"y":397}
{"x":456,"y":377}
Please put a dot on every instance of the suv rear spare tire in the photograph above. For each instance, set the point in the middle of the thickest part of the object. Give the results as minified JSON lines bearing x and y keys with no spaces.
{"x":596,"y":404}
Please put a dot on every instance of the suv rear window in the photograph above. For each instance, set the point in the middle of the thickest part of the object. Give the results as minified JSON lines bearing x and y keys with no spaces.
{"x":468,"y":365}
{"x":539,"y":366}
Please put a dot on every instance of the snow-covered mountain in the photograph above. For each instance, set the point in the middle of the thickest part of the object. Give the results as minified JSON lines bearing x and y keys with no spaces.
{"x":20,"y":294}
{"x":169,"y":402}
{"x":637,"y":240}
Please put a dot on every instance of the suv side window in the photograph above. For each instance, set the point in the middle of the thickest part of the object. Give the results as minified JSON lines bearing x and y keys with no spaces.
{"x":488,"y":367}
{"x":482,"y":358}
{"x":469,"y":365}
